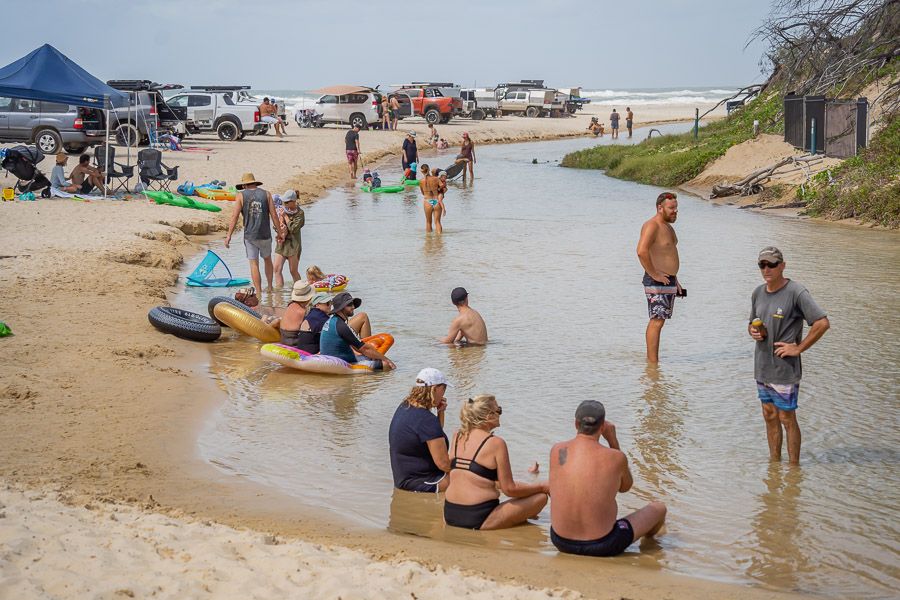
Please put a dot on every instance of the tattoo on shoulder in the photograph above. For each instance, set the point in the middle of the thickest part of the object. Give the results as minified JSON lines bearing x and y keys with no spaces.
{"x":563,"y":454}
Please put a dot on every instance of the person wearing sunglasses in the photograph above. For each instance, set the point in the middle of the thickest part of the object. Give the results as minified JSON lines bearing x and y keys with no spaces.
{"x":479,"y":460}
{"x":658,"y":252}
{"x":780,"y":306}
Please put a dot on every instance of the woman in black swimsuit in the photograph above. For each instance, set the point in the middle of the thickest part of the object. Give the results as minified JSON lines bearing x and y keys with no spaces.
{"x":291,"y":324}
{"x":479,"y":459}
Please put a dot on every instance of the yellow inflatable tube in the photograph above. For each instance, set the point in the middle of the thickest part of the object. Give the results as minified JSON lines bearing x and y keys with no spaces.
{"x":246,"y":323}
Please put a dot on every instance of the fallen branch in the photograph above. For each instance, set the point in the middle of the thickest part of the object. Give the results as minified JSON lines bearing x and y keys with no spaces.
{"x":754,"y":183}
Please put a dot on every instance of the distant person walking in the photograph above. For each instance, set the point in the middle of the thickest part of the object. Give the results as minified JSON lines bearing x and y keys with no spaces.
{"x":385,"y":114}
{"x":410,"y":155}
{"x":468,"y":327}
{"x":658,"y":252}
{"x":629,"y":120}
{"x":585,"y":478}
{"x":351,"y":145}
{"x":467,"y":153}
{"x":257,"y":208}
{"x":614,"y":124}
{"x":777,"y":311}
{"x":395,"y":112}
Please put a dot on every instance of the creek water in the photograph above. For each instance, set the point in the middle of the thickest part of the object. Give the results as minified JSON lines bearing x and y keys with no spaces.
{"x":548,"y":256}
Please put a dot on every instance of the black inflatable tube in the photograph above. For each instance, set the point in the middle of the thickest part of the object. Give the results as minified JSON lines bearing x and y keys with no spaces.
{"x":184,"y":324}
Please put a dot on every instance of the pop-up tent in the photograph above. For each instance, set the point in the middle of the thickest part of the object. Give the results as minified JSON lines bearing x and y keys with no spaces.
{"x":48,"y":74}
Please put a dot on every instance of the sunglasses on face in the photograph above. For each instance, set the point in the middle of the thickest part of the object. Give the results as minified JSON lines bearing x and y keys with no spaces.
{"x":764,"y":264}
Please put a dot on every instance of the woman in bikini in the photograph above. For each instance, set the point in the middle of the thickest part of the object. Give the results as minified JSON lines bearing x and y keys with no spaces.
{"x":478,"y":460}
{"x":386,"y":114}
{"x":430,"y":186}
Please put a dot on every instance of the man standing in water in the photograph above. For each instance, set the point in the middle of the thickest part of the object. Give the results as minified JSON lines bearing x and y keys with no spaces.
{"x":468,"y":327}
{"x":778,"y":309}
{"x":351,"y":145}
{"x":257,"y":207}
{"x":585,"y":477}
{"x":658,"y":252}
{"x":629,"y":120}
{"x":614,"y":124}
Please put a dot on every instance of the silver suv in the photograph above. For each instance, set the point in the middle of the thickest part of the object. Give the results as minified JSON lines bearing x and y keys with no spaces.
{"x":51,"y":126}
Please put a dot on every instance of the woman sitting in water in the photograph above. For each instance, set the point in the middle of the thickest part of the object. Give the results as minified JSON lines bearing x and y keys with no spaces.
{"x":418,"y":444}
{"x":359,"y":322}
{"x":295,"y":326}
{"x":433,"y":204}
{"x":478,"y":460}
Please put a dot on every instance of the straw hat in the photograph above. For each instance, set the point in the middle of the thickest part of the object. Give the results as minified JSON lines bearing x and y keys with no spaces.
{"x":302,"y":291}
{"x":247,"y":179}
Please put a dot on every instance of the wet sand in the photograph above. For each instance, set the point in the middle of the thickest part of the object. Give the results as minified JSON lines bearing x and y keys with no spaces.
{"x":96,"y":404}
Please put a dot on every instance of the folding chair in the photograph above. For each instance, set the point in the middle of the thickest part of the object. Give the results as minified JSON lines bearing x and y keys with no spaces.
{"x":117,"y":171}
{"x":152,"y":170}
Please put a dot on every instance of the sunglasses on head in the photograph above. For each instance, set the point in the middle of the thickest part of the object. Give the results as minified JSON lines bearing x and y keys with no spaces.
{"x":764,"y":264}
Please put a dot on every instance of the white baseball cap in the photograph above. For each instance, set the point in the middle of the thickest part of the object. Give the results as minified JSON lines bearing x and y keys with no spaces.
{"x":431,"y":377}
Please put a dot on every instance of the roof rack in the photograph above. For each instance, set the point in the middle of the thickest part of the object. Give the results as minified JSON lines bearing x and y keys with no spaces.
{"x":423,"y":84}
{"x":220,"y":88}
{"x":141,"y":85}
{"x":524,"y":84}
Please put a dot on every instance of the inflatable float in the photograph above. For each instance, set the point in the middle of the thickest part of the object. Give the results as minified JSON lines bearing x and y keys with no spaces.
{"x":333,"y":282}
{"x":294,"y":358}
{"x":180,"y":201}
{"x":214,"y":193}
{"x":385,"y":189}
{"x":407,"y":182}
{"x":240,"y":320}
{"x":184,"y":324}
{"x":216,"y":300}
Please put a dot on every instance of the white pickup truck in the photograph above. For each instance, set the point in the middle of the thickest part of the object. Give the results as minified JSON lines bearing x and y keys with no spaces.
{"x":223,"y":111}
{"x":531,"y":103}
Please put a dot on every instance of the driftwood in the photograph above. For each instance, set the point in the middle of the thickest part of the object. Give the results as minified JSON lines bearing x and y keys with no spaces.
{"x":755,"y":182}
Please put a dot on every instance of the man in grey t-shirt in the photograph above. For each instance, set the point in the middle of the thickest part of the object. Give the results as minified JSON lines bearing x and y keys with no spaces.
{"x":778,"y":309}
{"x":257,"y":207}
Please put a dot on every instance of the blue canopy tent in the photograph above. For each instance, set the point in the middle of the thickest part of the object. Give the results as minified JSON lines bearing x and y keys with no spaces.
{"x":48,"y":74}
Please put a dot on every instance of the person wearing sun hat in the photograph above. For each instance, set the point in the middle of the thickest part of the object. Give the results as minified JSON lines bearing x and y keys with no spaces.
{"x":58,"y":179}
{"x":257,"y":207}
{"x":410,"y":155}
{"x":338,"y":338}
{"x":418,"y":445}
{"x":293,"y":333}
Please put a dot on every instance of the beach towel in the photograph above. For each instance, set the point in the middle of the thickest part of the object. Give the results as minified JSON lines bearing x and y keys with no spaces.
{"x":209,"y":273}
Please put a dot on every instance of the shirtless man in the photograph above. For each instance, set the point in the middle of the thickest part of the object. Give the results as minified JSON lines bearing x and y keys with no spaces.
{"x":85,"y":176}
{"x":585,"y":477}
{"x":658,"y":253}
{"x":432,"y":190}
{"x":468,"y":327}
{"x":268,"y":113}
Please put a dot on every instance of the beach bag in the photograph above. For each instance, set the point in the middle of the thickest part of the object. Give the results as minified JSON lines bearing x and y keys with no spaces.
{"x":186,"y":188}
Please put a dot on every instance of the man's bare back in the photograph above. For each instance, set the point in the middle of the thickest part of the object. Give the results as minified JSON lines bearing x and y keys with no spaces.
{"x":585,"y":477}
{"x":468,"y":328}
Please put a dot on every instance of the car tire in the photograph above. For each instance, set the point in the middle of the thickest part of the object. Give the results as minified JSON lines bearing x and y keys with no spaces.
{"x":432,"y":116}
{"x":128,"y":135}
{"x":75,"y":148}
{"x":260,"y":131}
{"x":359,"y":119}
{"x":445,"y":120}
{"x":229,"y":130}
{"x":478,"y":115}
{"x":184,"y":324}
{"x":532,"y":112}
{"x":48,"y":141}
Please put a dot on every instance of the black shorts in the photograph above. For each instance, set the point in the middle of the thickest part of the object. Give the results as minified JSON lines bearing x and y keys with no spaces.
{"x":613,"y":543}
{"x":86,"y":187}
{"x":660,"y":296}
{"x":469,"y":516}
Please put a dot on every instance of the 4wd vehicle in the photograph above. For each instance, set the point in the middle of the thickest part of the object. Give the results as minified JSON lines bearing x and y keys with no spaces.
{"x":219,"y":110}
{"x":437,"y":102}
{"x":149,"y":110}
{"x":51,"y":126}
{"x":355,"y":105}
{"x":479,"y":103}
{"x":531,"y":103}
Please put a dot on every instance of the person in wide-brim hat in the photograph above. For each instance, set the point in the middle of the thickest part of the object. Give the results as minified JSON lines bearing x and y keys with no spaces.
{"x":247,"y":179}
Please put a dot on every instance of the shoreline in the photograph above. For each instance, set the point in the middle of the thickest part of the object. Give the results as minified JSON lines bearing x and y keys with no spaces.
{"x":109,"y":434}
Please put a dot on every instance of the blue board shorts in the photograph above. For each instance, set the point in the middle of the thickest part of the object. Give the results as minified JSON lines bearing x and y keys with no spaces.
{"x":783,"y":395}
{"x":613,"y":543}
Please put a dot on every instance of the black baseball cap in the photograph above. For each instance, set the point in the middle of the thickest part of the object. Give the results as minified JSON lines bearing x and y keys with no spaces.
{"x":458,"y":295}
{"x":342,"y":300}
{"x":590,"y":413}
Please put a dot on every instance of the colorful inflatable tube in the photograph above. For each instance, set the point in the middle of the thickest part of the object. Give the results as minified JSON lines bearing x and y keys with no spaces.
{"x":295,"y":358}
{"x":385,"y":189}
{"x":180,"y":201}
{"x":240,"y":320}
{"x":215,"y":193}
{"x":333,"y":282}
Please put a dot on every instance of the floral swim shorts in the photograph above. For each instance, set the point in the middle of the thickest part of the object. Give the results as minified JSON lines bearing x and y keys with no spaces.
{"x":660,"y":296}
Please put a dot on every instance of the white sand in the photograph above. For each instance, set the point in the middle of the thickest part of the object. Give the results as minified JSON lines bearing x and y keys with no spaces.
{"x":51,"y":550}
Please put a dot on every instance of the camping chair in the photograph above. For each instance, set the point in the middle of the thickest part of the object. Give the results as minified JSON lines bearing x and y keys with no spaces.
{"x":150,"y":170}
{"x":121,"y":173}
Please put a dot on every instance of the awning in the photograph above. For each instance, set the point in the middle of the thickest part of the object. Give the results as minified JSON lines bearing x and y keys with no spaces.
{"x":340,"y":90}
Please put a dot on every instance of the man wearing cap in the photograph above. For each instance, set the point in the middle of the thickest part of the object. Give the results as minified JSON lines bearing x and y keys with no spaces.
{"x":410,"y":153}
{"x":351,"y":145}
{"x":777,"y":311}
{"x":468,"y":327}
{"x":257,"y":208}
{"x":339,"y":339}
{"x":585,"y":477}
{"x":658,"y":252}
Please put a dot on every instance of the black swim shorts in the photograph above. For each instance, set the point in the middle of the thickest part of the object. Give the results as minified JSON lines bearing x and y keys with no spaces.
{"x":613,"y":543}
{"x":86,"y":187}
{"x":469,"y":516}
{"x":660,"y":296}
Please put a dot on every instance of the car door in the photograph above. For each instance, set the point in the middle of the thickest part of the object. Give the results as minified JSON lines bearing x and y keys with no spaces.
{"x":203,"y":108}
{"x":406,"y":105}
{"x":5,"y":104}
{"x":327,"y":106}
{"x":22,"y":118}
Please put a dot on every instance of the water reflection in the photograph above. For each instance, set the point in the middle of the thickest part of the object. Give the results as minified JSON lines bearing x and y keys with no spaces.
{"x":659,"y":433}
{"x":781,"y":554}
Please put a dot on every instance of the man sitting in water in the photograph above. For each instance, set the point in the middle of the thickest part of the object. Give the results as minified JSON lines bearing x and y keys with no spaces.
{"x":585,"y":477}
{"x":468,"y":327}
{"x":338,"y":338}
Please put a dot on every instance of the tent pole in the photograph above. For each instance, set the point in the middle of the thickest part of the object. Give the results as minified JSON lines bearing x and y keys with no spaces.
{"x":106,"y":152}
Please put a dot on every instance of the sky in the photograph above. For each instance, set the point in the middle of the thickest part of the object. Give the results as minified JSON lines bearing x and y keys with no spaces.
{"x":284,"y":44}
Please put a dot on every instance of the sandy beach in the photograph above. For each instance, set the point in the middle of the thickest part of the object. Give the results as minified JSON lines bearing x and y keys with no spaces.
{"x":98,"y":409}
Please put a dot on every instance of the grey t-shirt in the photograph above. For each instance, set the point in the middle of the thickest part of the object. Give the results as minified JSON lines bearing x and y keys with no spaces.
{"x":783,"y":313}
{"x":257,"y":225}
